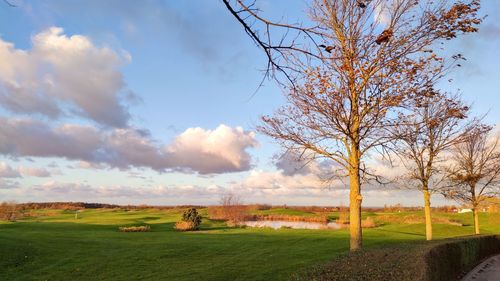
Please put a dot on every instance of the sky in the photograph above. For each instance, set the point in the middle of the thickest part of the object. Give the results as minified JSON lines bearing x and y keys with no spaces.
{"x":154,"y":102}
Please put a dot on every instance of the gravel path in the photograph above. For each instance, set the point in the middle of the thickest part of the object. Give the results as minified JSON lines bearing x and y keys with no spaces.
{"x":489,"y":270}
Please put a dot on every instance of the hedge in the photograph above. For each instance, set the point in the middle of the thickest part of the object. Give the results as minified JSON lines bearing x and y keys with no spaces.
{"x":446,"y":259}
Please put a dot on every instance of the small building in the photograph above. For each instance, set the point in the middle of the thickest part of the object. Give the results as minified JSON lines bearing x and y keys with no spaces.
{"x":461,"y":211}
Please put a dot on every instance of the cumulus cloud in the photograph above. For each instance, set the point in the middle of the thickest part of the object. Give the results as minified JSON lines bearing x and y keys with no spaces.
{"x":83,"y":190}
{"x":6,"y":171}
{"x":34,"y":172}
{"x":206,"y":194}
{"x":26,"y":137}
{"x":210,"y":192}
{"x":62,"y":70}
{"x":222,"y":149}
{"x":8,"y":184}
{"x":291,"y":163}
{"x":297,"y":163}
{"x":195,"y":150}
{"x":279,"y":180}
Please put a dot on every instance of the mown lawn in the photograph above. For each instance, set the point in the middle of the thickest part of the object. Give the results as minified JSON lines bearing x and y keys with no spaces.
{"x":56,"y":246}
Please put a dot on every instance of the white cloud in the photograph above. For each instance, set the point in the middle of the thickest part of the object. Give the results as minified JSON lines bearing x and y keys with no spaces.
{"x":8,"y":184}
{"x":6,"y":171}
{"x":63,"y":70}
{"x":87,"y":165}
{"x":277,"y":184}
{"x":253,"y":189}
{"x":206,"y":151}
{"x":278,"y":180}
{"x":195,"y":150}
{"x":292,"y":163}
{"x":34,"y":172}
{"x":298,"y":163}
{"x":87,"y":191}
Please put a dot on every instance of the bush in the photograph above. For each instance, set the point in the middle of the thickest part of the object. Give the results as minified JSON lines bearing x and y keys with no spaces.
{"x":192,"y":217}
{"x":230,"y":210}
{"x":184,"y":226}
{"x":142,"y":228}
{"x":368,"y":223}
{"x":446,"y":259}
{"x":10,"y":211}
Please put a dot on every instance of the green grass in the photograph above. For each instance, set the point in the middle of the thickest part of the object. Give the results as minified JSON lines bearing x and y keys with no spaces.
{"x":56,"y":246}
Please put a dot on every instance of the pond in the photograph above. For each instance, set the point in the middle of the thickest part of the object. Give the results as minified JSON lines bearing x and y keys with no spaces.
{"x":292,"y":224}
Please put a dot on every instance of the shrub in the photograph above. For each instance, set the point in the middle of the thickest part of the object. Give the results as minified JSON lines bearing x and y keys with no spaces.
{"x":142,"y":228}
{"x":216,"y":213}
{"x":368,"y":223}
{"x":10,"y":211}
{"x":191,"y":215}
{"x":457,"y":256}
{"x":431,"y":261}
{"x":230,"y":210}
{"x":184,"y":226}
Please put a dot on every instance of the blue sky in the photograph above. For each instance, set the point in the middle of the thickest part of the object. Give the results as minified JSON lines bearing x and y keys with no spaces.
{"x":154,"y":101}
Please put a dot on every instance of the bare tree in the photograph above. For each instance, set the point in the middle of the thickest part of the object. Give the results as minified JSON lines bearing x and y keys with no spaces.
{"x":475,"y":173}
{"x":231,"y":209}
{"x":348,"y":73}
{"x":435,"y":122}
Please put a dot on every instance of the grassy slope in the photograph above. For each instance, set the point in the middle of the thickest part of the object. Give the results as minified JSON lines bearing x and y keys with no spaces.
{"x":58,"y":247}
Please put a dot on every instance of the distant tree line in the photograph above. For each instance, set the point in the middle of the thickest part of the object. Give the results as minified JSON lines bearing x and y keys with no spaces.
{"x":85,"y":205}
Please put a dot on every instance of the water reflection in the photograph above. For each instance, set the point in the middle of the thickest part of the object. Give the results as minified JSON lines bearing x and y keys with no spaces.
{"x":292,"y":224}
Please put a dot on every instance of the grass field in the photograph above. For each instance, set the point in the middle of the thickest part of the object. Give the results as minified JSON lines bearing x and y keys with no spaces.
{"x":56,"y":246}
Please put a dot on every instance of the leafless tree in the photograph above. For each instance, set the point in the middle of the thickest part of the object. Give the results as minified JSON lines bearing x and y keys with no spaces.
{"x":231,"y":209}
{"x":346,"y":74}
{"x":475,"y":173}
{"x":433,"y":124}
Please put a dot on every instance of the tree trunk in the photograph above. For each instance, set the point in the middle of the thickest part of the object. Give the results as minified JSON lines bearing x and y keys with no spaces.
{"x":476,"y":220}
{"x":427,"y":211}
{"x":356,"y":240}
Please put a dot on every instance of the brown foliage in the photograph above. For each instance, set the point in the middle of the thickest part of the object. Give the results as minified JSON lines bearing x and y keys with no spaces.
{"x":10,"y":211}
{"x":230,"y":210}
{"x":368,"y":223}
{"x":258,"y":207}
{"x":319,"y":219}
{"x":342,"y":100}
{"x":475,"y":173}
{"x":184,"y":226}
{"x":142,"y":228}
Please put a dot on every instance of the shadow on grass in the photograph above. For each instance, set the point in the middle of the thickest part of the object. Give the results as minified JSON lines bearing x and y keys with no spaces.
{"x":277,"y":253}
